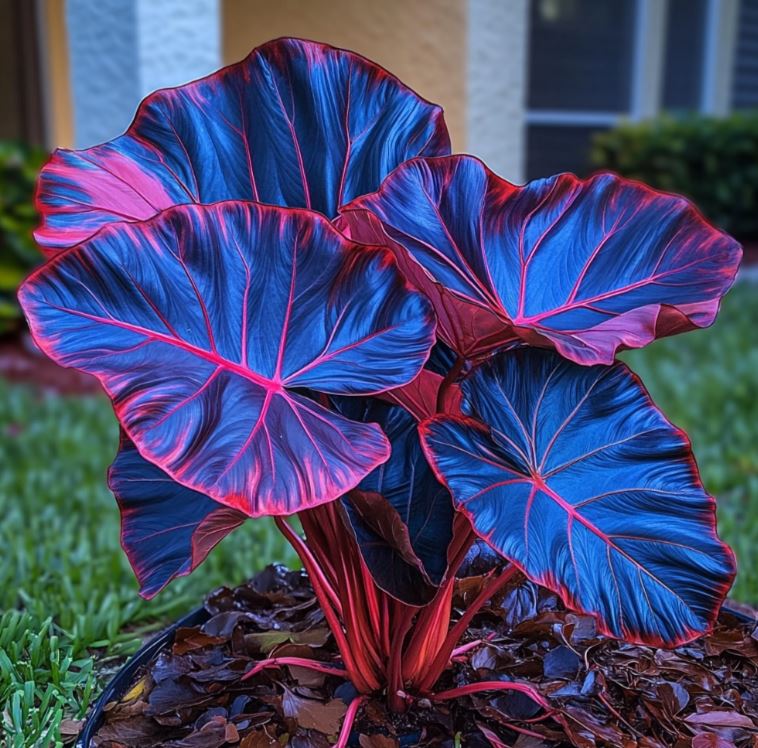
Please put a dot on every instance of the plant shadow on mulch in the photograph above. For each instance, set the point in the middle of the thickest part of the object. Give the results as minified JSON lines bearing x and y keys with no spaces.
{"x":605,"y":693}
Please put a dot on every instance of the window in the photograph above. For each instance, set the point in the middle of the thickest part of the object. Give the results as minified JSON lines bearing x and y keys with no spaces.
{"x":745,"y":82}
{"x":554,"y":149}
{"x":581,"y":55}
{"x":683,"y":63}
{"x":21,"y":109}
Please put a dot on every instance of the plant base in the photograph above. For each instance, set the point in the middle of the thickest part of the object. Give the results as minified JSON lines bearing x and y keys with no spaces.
{"x":190,"y":691}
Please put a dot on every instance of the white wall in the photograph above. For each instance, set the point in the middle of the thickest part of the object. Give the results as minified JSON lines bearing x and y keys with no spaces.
{"x":497,"y":60}
{"x":121,"y":50}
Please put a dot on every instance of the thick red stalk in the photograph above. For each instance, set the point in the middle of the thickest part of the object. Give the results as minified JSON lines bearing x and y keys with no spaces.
{"x":320,"y":586}
{"x":402,"y":623}
{"x":383,"y":641}
{"x":326,"y":536}
{"x":347,"y":723}
{"x":494,"y":685}
{"x":431,"y":631}
{"x":441,"y":661}
{"x":428,"y":634}
{"x":358,"y":627}
{"x":277,"y":662}
{"x":310,"y":564}
{"x":363,"y":630}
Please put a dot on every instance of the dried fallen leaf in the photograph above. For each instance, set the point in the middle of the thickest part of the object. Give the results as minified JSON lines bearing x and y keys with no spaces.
{"x":259,"y":739}
{"x":561,"y":662}
{"x":134,"y":732}
{"x":187,"y":639}
{"x":135,"y":691}
{"x":710,"y":740}
{"x":721,"y":718}
{"x":211,"y":735}
{"x":312,"y":714}
{"x":673,"y":696}
{"x":71,"y":727}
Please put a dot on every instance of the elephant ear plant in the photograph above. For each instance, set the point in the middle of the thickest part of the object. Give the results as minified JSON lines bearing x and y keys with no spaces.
{"x":301,"y":304}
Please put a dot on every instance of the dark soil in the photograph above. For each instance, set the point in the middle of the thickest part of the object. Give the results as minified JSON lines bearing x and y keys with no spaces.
{"x":605,"y":693}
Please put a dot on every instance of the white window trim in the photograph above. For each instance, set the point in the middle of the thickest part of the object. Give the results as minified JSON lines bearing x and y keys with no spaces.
{"x":719,"y":50}
{"x":570,"y":117}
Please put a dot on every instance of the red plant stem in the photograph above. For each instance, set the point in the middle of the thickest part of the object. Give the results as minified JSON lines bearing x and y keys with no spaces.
{"x":361,"y":629}
{"x":493,"y":685}
{"x":372,"y":598}
{"x":347,"y":723}
{"x":318,"y":582}
{"x":442,"y":659}
{"x":277,"y":662}
{"x":493,"y":586}
{"x":431,"y":628}
{"x":315,"y":539}
{"x":358,"y":628}
{"x":309,"y":562}
{"x":325,"y":536}
{"x":403,"y":619}
{"x":385,"y":623}
{"x":458,"y":651}
{"x":429,"y":633}
{"x":448,"y":381}
{"x":463,"y":539}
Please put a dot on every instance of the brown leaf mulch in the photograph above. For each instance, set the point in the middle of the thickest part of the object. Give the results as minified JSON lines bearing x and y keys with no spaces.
{"x":605,"y":693}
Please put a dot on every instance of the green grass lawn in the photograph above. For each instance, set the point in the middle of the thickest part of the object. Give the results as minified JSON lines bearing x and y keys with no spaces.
{"x":71,"y":610}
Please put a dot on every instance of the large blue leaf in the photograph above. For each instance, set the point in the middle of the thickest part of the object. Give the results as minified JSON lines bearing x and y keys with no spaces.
{"x":585,"y":266}
{"x":576,"y":476}
{"x":401,"y":516}
{"x":295,"y":124}
{"x":167,"y":530}
{"x":205,"y":324}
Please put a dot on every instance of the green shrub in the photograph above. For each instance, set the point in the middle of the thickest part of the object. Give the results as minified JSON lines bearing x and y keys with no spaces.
{"x":710,"y":160}
{"x":19,"y":165}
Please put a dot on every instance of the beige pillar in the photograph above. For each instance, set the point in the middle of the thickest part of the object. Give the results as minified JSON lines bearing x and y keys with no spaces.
{"x":423,"y":42}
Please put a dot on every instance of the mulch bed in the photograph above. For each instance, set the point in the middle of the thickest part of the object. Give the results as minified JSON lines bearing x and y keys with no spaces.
{"x":605,"y":693}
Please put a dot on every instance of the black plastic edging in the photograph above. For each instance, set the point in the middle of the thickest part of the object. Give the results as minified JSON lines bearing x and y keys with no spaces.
{"x":124,"y":678}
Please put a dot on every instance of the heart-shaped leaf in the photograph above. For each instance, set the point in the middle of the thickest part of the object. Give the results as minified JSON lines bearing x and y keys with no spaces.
{"x":576,"y":476}
{"x":296,"y":124}
{"x":167,"y":530}
{"x":202,"y":322}
{"x":401,"y":516}
{"x":588,"y":267}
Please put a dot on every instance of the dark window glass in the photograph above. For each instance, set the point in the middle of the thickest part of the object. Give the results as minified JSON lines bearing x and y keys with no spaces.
{"x":580,"y":54}
{"x":20,"y":100}
{"x":745,"y":91}
{"x":683,"y":69}
{"x":555,"y":148}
